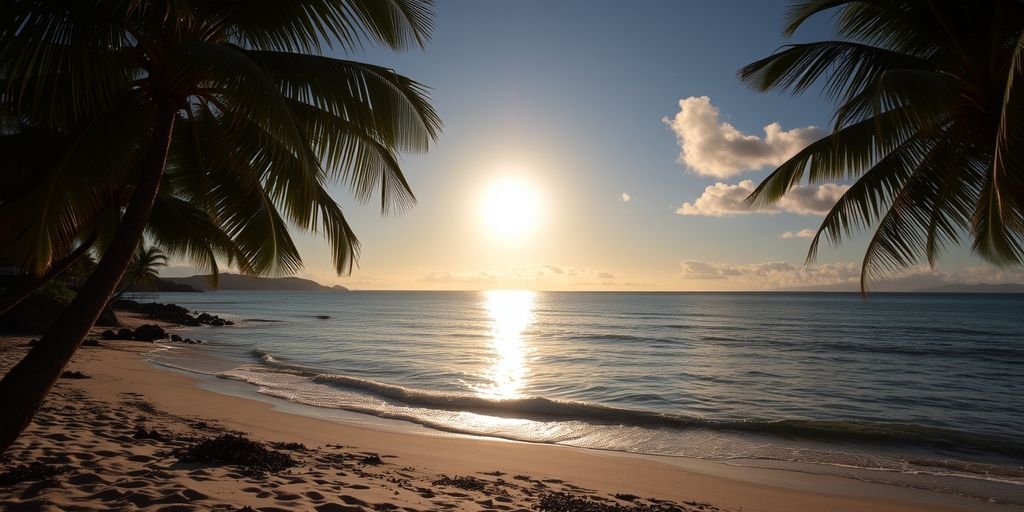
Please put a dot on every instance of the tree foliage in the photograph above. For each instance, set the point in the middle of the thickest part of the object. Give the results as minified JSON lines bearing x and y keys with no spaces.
{"x":927,"y":126}
{"x":266,"y":121}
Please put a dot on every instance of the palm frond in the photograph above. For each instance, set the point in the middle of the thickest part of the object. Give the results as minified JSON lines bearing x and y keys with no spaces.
{"x":872,"y":194}
{"x":368,"y":165}
{"x":842,"y":155}
{"x":71,"y":184}
{"x":187,"y":232}
{"x":926,"y":214}
{"x":395,"y":108}
{"x":305,"y":25}
{"x":65,"y":54}
{"x":847,"y":67}
{"x":928,"y":98}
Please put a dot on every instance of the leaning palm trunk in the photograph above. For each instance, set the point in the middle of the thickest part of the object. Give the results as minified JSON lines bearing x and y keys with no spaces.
{"x":35,"y":282}
{"x":25,"y":386}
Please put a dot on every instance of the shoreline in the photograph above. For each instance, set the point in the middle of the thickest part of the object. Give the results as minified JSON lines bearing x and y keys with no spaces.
{"x":879,"y":476}
{"x":119,"y":370}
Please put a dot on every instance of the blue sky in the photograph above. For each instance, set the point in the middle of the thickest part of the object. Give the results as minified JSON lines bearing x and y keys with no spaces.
{"x":569,"y":97}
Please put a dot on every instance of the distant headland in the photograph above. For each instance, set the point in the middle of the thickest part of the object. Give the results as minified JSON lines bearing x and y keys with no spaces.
{"x":237,"y":282}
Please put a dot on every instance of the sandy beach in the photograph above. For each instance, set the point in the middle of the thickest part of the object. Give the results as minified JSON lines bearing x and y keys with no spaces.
{"x":112,"y":441}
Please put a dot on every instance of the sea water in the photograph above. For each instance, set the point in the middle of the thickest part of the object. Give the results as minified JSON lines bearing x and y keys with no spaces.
{"x":923,"y":390}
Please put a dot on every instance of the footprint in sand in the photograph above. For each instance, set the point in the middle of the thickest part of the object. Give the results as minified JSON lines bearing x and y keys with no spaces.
{"x":287,"y":496}
{"x":352,"y":500}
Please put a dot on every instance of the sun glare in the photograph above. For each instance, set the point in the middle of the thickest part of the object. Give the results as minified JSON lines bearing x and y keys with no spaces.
{"x":511,"y":313}
{"x":510,"y":209}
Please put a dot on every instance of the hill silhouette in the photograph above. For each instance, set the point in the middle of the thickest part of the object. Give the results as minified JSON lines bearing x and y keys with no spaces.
{"x":239,"y":282}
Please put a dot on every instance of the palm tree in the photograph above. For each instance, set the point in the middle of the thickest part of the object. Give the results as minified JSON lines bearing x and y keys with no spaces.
{"x":927,"y":126}
{"x":230,"y":108}
{"x":143,"y":269}
{"x":190,"y":233}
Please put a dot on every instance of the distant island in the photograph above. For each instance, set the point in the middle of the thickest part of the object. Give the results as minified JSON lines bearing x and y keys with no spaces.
{"x":974,"y":288}
{"x":237,"y":282}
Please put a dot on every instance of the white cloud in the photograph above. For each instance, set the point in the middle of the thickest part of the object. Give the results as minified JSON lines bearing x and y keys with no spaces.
{"x":713,"y":148}
{"x":803,"y":233}
{"x":625,"y":197}
{"x":722,"y":199}
{"x":812,"y":199}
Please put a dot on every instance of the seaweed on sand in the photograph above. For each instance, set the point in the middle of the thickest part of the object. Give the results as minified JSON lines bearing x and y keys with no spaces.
{"x":33,"y":472}
{"x":467,"y":483}
{"x":235,"y":450}
{"x":564,"y":502}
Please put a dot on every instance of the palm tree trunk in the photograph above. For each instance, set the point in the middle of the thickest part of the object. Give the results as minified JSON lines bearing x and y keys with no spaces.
{"x":25,"y":386}
{"x":14,"y":298}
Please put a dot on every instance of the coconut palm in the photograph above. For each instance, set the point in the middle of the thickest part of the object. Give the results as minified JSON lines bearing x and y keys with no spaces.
{"x":230,"y":108}
{"x":144,"y":269}
{"x":191,"y":233}
{"x":927,"y":126}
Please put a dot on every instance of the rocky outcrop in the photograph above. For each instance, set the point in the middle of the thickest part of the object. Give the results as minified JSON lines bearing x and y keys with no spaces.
{"x":171,"y":313}
{"x":149,"y":332}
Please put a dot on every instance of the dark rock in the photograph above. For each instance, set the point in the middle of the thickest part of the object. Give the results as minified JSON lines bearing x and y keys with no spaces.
{"x":228,"y":322}
{"x":175,"y":337}
{"x":124,"y":334}
{"x":67,"y":374}
{"x":204,"y":318}
{"x":90,"y":342}
{"x":149,"y":332}
{"x":170,"y":313}
{"x":142,"y":433}
{"x":109,"y":335}
{"x":322,"y":317}
{"x":217,"y":322}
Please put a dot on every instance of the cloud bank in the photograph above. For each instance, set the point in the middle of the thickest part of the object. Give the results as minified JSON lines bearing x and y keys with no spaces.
{"x":781,"y":275}
{"x":803,"y":233}
{"x":529,"y":276}
{"x":714,"y":148}
{"x":772,"y":274}
{"x":721,"y":199}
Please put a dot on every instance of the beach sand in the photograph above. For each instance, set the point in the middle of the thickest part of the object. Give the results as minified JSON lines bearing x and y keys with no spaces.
{"x":89,"y":430}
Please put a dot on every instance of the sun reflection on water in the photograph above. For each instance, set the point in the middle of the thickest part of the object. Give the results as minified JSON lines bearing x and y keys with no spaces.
{"x":511,"y":313}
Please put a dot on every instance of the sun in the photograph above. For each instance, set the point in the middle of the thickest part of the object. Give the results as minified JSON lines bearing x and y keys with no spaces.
{"x":510,"y":209}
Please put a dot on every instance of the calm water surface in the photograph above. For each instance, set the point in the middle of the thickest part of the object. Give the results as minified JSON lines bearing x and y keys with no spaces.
{"x":924,"y":390}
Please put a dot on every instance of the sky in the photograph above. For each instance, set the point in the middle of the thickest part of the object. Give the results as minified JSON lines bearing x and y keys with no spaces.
{"x":605,"y":145}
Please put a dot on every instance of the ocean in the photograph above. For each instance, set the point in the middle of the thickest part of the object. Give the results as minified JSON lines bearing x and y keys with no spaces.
{"x":923,"y":390}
